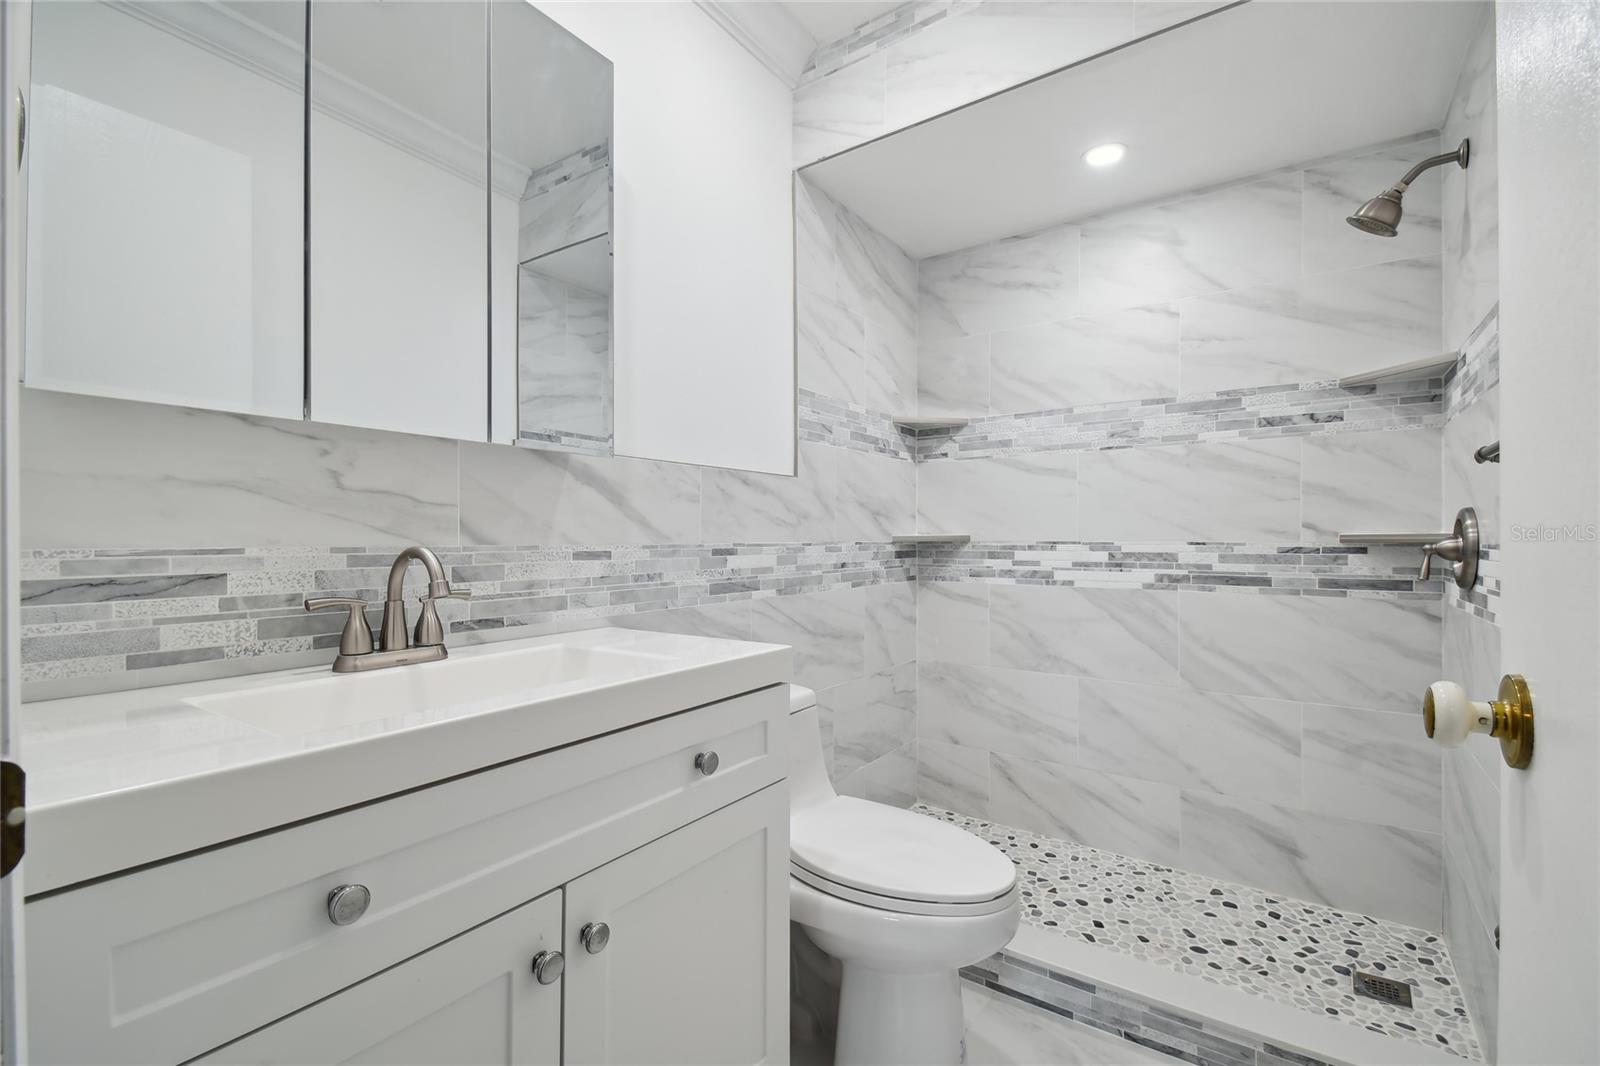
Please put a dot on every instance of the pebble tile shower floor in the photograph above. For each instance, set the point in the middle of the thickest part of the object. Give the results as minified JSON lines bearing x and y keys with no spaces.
{"x":1294,"y":952}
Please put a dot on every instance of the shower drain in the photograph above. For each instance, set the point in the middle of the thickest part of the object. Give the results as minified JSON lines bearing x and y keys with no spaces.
{"x":1384,"y":989}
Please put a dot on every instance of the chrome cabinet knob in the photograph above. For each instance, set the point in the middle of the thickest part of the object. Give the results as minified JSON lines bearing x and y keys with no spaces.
{"x":347,"y":903}
{"x":595,"y":937}
{"x":548,"y":966}
{"x":707,"y":762}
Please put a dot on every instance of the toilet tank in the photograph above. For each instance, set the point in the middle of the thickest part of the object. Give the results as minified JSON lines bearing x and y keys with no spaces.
{"x":808,"y":773}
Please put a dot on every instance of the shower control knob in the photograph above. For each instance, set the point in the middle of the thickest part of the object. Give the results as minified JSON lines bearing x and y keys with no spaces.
{"x":595,"y":937}
{"x":347,"y":903}
{"x":548,"y":967}
{"x":707,"y":762}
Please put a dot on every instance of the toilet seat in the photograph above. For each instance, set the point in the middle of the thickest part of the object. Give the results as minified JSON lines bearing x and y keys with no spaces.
{"x":895,"y":860}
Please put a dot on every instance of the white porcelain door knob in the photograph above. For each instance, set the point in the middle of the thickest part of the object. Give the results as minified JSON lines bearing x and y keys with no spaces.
{"x":1450,"y":717}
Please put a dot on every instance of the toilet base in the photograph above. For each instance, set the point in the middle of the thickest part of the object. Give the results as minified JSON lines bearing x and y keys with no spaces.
{"x":895,"y":1019}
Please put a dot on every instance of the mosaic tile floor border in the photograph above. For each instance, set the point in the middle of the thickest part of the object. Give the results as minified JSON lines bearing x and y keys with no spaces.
{"x":1290,"y":951}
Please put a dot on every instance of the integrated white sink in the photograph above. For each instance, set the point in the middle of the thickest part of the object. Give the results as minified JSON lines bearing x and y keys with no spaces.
{"x":436,"y":691}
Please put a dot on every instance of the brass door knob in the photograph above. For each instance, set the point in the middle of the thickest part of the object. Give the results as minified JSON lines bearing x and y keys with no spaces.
{"x":1450,"y":717}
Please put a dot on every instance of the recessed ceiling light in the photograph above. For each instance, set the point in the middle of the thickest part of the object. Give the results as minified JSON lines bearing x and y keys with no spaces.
{"x":1105,"y":155}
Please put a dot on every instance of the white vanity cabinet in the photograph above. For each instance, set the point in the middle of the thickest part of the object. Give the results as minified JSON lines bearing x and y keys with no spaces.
{"x":234,"y":952}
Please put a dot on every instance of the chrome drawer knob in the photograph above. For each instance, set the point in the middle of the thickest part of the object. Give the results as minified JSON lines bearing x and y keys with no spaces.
{"x":707,"y":762}
{"x":347,"y":903}
{"x":595,"y":937}
{"x":547,"y":967}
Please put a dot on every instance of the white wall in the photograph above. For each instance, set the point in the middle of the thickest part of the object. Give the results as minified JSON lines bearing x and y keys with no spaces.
{"x":704,"y":300}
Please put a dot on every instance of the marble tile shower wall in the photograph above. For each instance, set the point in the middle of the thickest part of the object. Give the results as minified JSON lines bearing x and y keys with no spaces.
{"x":1471,"y":632}
{"x":1154,"y":644}
{"x":929,"y":56}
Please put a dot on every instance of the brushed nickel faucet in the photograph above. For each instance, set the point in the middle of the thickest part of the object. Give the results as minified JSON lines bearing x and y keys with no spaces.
{"x":398,"y":648}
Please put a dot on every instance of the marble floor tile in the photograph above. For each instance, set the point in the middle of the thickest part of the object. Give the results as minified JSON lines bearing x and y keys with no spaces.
{"x":1120,"y":814}
{"x":839,"y":111}
{"x":1007,"y":284}
{"x":1116,"y":634}
{"x":1372,"y":766}
{"x":1319,"y":327}
{"x":1008,"y":498}
{"x":1229,"y":744}
{"x":1122,"y":355}
{"x":1246,"y":490}
{"x":1242,"y":235}
{"x":1014,"y":712}
{"x":953,"y":621}
{"x":1334,"y":188}
{"x":1379,"y":870}
{"x":1369,"y":482}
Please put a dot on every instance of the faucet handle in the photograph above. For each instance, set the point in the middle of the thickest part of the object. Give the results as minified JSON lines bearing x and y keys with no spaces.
{"x":429,"y":629}
{"x":356,"y":639}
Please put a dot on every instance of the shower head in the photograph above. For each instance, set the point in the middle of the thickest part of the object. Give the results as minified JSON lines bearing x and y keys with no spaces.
{"x":1380,"y":216}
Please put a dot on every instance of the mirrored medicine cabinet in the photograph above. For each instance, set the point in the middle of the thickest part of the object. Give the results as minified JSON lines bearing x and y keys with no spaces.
{"x":393,"y":215}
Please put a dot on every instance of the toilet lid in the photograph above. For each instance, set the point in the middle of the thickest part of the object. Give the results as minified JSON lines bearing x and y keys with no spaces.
{"x":892,"y":852}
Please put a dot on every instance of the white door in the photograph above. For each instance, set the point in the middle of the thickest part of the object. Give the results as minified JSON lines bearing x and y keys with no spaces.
{"x":473,"y":999}
{"x":696,"y":967}
{"x":1548,"y":67}
{"x":13,"y":76}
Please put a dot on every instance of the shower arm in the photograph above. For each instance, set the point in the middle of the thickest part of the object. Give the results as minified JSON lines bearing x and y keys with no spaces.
{"x":1458,"y":156}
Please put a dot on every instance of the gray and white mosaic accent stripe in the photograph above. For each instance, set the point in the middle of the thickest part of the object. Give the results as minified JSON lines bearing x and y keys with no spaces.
{"x":848,"y":425}
{"x":1388,"y":573}
{"x":1477,"y":369}
{"x":1294,"y":952}
{"x":560,"y":440}
{"x":92,"y":618}
{"x":878,"y":33}
{"x":1483,"y":598}
{"x":1235,"y":414}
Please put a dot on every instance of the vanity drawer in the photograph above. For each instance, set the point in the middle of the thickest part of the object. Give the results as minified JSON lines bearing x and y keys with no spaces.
{"x":165,"y":963}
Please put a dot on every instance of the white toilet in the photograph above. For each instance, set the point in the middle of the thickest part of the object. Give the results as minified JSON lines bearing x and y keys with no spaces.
{"x":901,"y":900}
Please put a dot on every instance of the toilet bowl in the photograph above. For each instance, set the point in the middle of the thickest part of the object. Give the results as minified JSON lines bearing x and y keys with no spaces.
{"x":901,"y":900}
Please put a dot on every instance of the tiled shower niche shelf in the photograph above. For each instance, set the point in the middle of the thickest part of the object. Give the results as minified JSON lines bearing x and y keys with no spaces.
{"x":914,"y":423}
{"x":931,"y":538}
{"x":1418,"y":368}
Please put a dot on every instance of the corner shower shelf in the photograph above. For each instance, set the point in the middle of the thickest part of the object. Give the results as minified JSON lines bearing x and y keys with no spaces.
{"x":931,"y":538}
{"x":914,"y":423}
{"x":1417,"y":368}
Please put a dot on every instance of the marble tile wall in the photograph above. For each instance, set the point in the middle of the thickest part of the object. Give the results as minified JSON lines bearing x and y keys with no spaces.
{"x":563,"y":364}
{"x":930,"y":56}
{"x":565,"y":202}
{"x":163,"y":545}
{"x":1471,"y":631}
{"x":1153,"y":644}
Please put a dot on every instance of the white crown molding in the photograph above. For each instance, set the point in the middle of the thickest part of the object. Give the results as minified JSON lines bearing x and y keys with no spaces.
{"x":767,"y":31}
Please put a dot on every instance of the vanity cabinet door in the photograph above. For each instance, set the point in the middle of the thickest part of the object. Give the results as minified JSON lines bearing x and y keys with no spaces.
{"x":695,"y":964}
{"x":473,"y":999}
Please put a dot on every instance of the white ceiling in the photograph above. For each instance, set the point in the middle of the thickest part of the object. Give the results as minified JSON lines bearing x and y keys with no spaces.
{"x":828,"y":20}
{"x":1268,"y":84}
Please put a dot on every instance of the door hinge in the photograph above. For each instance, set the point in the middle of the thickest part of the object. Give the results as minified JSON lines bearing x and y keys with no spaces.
{"x":13,"y":815}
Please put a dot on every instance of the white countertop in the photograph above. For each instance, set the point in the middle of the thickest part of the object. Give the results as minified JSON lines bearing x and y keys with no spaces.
{"x":127,"y":778}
